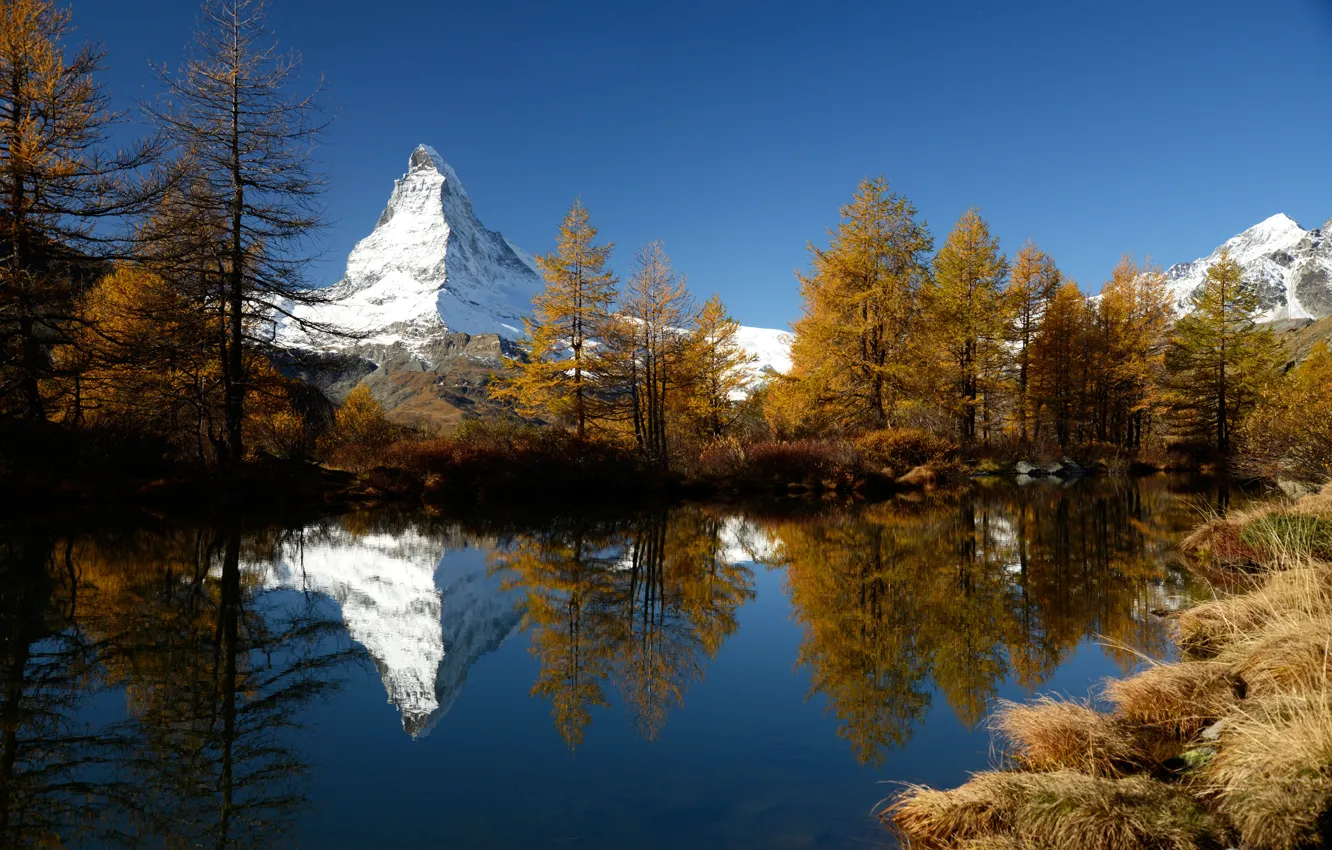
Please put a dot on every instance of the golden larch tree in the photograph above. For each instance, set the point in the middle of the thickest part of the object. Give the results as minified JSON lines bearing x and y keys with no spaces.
{"x":1131,"y":322}
{"x":1059,"y":362}
{"x":854,"y":353}
{"x":720,"y":366}
{"x":1034,"y":281}
{"x":654,"y":317}
{"x":1219,"y":359}
{"x":567,"y":317}
{"x":968,"y":314}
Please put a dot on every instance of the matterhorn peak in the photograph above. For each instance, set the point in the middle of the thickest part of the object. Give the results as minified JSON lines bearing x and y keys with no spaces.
{"x":426,"y":157}
{"x":428,"y":267}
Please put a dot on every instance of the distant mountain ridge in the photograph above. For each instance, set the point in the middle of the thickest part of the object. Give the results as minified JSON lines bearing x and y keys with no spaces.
{"x":434,"y":297}
{"x":1290,"y":267}
{"x":431,"y":268}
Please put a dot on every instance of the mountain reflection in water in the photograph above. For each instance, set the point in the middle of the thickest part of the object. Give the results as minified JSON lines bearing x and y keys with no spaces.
{"x":156,"y":683}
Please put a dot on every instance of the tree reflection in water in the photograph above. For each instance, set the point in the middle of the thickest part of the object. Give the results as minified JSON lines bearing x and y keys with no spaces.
{"x":211,"y":681}
{"x":899,"y":599}
{"x":646,"y":603}
{"x":895,"y":604}
{"x":895,"y":600}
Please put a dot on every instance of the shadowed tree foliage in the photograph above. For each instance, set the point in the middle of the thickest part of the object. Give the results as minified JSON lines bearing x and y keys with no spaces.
{"x":61,"y":185}
{"x":251,"y":206}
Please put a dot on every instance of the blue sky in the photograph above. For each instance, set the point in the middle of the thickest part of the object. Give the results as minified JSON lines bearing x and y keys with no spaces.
{"x":733,"y":130}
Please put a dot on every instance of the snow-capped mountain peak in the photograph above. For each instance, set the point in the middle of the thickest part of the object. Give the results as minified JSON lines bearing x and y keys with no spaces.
{"x":1290,"y":267}
{"x":428,"y":267}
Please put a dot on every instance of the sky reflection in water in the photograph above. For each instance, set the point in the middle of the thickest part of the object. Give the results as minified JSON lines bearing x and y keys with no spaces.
{"x":692,"y":678}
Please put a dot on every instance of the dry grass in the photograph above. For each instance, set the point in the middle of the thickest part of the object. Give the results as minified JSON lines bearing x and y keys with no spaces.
{"x":1259,"y":662}
{"x":1063,"y":809}
{"x":1273,"y":774}
{"x":1290,"y":656}
{"x":1054,"y":734}
{"x":1298,"y":592}
{"x":1178,"y":699}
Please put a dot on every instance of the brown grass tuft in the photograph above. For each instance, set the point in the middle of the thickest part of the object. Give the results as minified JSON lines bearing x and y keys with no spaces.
{"x":1217,"y":545}
{"x":1272,"y":776}
{"x":1055,"y":734}
{"x":1290,"y":656}
{"x":1207,"y":629}
{"x":1063,"y":809}
{"x":1178,"y":699}
{"x":994,"y":842}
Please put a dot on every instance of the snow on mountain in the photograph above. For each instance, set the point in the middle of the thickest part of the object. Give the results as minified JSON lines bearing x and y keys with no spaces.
{"x":424,"y":614}
{"x":430,"y":266}
{"x":1291,"y":268}
{"x":772,"y":348}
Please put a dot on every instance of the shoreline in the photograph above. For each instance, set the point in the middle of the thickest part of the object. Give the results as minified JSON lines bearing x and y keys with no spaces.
{"x":306,"y":487}
{"x":1230,"y":745}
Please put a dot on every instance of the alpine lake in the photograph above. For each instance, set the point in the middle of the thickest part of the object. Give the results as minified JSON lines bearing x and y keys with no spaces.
{"x":688,"y":678}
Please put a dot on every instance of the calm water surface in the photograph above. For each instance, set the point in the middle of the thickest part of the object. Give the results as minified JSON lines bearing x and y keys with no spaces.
{"x":697,"y":678}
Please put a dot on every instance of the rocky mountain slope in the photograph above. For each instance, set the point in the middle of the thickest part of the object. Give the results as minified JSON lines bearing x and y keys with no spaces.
{"x":432,"y":299}
{"x":1291,"y":268}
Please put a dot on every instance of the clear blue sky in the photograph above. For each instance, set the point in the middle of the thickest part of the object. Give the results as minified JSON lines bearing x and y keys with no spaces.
{"x":734,"y":130}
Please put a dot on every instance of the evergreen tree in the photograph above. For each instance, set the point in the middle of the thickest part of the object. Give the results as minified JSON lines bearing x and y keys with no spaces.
{"x":247,"y":142}
{"x":1035,"y":278}
{"x":568,"y":315}
{"x":969,"y":314}
{"x":719,"y":366}
{"x":855,"y":353}
{"x":1219,"y":360}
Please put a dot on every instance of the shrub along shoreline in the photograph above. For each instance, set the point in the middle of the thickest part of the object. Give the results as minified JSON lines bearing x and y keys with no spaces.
{"x":367,"y":460}
{"x":1229,"y":746}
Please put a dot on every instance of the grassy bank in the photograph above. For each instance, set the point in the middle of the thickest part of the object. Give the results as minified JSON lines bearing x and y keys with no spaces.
{"x":1229,"y":746}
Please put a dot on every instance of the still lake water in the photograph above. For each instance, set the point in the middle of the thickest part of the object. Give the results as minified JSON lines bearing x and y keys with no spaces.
{"x":696,"y":678}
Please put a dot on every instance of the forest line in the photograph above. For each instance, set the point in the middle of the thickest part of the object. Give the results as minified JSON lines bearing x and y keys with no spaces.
{"x":140,"y":289}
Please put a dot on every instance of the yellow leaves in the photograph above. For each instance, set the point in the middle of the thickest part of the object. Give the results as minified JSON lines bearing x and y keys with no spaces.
{"x":360,"y":430}
{"x":567,"y":315}
{"x":1289,"y":434}
{"x":855,"y":341}
{"x":1220,"y":361}
{"x":969,"y":316}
